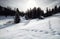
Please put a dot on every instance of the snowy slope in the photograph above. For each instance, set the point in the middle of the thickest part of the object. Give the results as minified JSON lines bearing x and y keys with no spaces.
{"x":5,"y":21}
{"x":48,"y":28}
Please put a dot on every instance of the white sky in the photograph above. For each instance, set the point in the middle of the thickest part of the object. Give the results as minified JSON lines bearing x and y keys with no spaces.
{"x":23,"y":5}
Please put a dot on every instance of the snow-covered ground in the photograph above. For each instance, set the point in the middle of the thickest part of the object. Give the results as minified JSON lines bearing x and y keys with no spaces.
{"x":48,"y":28}
{"x":5,"y":21}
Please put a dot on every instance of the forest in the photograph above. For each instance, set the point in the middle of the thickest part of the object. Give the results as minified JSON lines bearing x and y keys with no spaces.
{"x":31,"y":13}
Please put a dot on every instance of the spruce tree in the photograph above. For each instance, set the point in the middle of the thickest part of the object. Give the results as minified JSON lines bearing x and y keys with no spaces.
{"x":17,"y":18}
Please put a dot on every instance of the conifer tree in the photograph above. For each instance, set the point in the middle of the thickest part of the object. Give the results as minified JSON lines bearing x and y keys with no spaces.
{"x":17,"y":18}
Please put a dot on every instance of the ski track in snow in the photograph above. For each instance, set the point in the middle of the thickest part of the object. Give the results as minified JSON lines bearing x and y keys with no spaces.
{"x":31,"y":29}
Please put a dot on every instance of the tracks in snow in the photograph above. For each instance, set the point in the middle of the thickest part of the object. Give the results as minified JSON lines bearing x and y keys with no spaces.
{"x":42,"y":31}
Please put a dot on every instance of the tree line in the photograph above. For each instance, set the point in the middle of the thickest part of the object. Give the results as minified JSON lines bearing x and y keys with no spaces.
{"x":7,"y":11}
{"x":50,"y":12}
{"x":34,"y":13}
{"x":31,"y":13}
{"x":39,"y":13}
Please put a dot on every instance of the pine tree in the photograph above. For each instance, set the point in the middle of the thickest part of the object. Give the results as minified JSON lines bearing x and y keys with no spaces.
{"x":55,"y":8}
{"x":59,"y":9}
{"x":17,"y":18}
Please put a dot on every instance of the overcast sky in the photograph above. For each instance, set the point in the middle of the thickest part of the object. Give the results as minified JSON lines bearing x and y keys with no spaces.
{"x":23,"y":5}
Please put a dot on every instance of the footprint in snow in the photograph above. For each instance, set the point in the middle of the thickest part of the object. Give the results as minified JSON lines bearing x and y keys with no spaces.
{"x":32,"y":30}
{"x":58,"y":33}
{"x":41,"y":30}
{"x":36,"y":30}
{"x":53,"y":33}
{"x":46,"y":32}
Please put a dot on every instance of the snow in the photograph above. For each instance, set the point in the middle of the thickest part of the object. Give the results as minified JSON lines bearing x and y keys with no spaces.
{"x":5,"y":21}
{"x":48,"y":28}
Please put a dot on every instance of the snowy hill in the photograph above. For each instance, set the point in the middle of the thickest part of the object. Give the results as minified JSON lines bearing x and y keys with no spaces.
{"x":48,"y":28}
